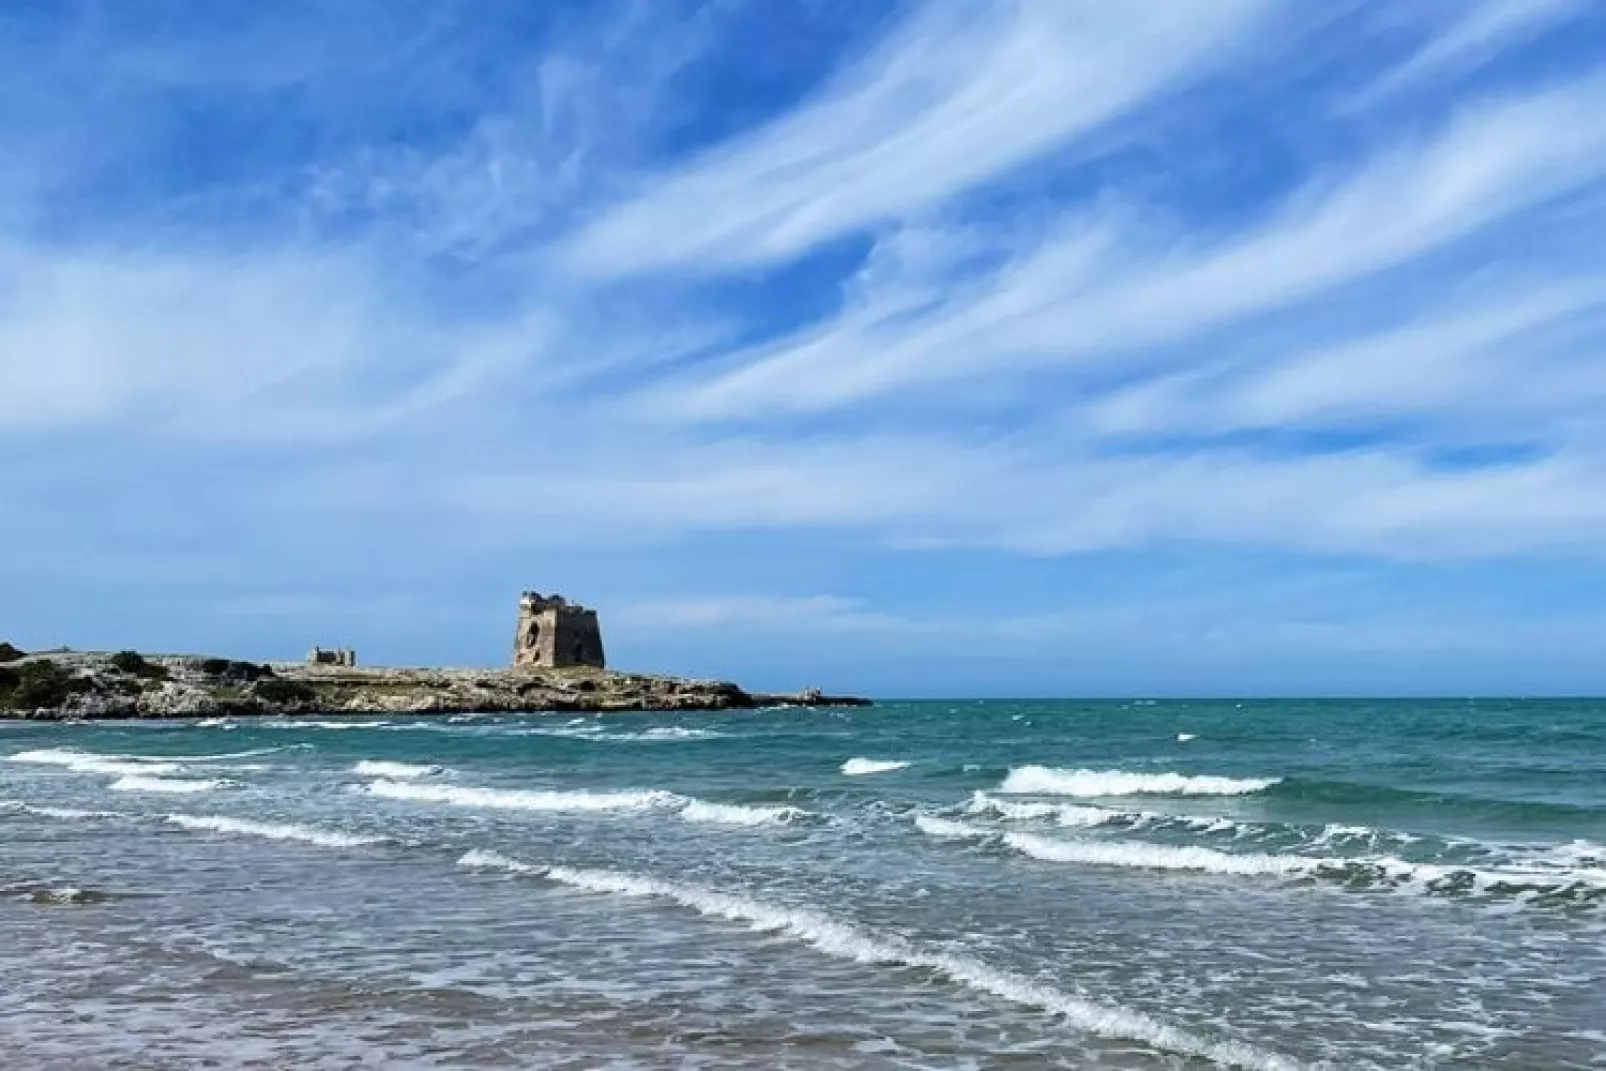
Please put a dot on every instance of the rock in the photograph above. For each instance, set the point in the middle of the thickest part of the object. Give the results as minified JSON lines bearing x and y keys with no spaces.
{"x":89,"y":685}
{"x":8,"y":653}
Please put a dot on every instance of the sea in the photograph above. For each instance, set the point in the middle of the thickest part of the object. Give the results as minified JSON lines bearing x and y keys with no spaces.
{"x":948,"y":884}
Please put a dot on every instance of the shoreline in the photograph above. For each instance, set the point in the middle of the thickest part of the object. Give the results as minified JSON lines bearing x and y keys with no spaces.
{"x":66,"y":685}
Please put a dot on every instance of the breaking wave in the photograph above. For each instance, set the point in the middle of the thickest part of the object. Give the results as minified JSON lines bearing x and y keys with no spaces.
{"x":1552,"y":880}
{"x":735,"y":814}
{"x":58,"y":812}
{"x":272,"y":830}
{"x":509,"y":799}
{"x":1049,"y":781}
{"x":89,"y":763}
{"x":585,"y":729}
{"x":400,"y":771}
{"x":309,"y":723}
{"x":848,"y":941}
{"x":138,"y":783}
{"x":860,"y":766}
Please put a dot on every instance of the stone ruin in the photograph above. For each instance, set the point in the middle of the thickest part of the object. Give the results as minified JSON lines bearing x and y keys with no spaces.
{"x":554,"y":632}
{"x":344,"y":657}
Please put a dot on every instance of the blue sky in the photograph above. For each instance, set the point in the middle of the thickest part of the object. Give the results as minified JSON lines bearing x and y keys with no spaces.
{"x":1060,"y":347}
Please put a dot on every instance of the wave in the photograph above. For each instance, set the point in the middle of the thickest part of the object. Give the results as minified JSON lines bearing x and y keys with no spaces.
{"x":859,"y":767}
{"x":848,"y":941}
{"x":309,"y":723}
{"x":400,"y":771}
{"x":677,"y":732}
{"x":89,"y":763}
{"x":1066,"y":814}
{"x":213,"y":823}
{"x":735,"y":814}
{"x":509,"y":799}
{"x":58,"y":812}
{"x":65,"y":896}
{"x":138,"y":783}
{"x":1183,"y":738}
{"x":589,"y":730}
{"x":1049,"y":781}
{"x":1534,"y":880}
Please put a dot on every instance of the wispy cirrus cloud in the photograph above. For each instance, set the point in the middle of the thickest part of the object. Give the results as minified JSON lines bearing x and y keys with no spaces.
{"x":1095,"y":294}
{"x":955,"y":96}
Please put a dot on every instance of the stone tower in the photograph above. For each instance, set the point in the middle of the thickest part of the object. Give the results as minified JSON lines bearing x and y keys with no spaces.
{"x":554,"y":632}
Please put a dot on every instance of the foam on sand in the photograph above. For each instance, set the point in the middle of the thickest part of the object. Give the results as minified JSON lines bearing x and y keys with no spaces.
{"x":859,"y":767}
{"x":848,"y":941}
{"x":400,"y":771}
{"x":509,"y":799}
{"x":216,"y":823}
{"x":1050,"y":781}
{"x":736,"y":814}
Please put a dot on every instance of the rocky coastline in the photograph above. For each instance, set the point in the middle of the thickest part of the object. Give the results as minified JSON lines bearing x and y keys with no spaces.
{"x":66,"y":685}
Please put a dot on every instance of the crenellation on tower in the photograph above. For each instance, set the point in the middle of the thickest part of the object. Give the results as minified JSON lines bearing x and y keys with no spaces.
{"x":553,"y":633}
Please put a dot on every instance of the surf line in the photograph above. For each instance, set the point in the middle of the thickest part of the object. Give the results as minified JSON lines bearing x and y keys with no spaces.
{"x":847,"y":941}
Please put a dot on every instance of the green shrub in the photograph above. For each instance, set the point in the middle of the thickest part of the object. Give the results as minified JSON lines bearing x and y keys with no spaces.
{"x":41,"y":683}
{"x":230,"y":670}
{"x":274,"y":690}
{"x":136,"y":665}
{"x":9,"y":653}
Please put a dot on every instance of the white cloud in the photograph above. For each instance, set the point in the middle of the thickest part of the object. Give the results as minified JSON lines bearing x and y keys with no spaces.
{"x":956,"y":96}
{"x":1482,"y":29}
{"x":1093,"y":296}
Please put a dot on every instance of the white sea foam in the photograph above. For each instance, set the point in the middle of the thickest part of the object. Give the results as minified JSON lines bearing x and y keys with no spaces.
{"x":309,"y":723}
{"x":679,"y":732}
{"x":847,"y":941}
{"x":137,"y":783}
{"x":736,"y":814}
{"x":1066,"y":814}
{"x":400,"y":771}
{"x":1049,"y":781}
{"x":1183,"y":738}
{"x":858,"y":767}
{"x":136,"y":766}
{"x":1153,"y":856}
{"x":590,"y":730}
{"x":947,"y":829}
{"x":510,"y":799}
{"x":1386,"y":870}
{"x":89,"y":763}
{"x":59,"y":812}
{"x":214,"y":823}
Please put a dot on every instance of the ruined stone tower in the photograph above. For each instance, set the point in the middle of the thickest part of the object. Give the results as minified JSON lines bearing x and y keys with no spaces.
{"x":554,"y":632}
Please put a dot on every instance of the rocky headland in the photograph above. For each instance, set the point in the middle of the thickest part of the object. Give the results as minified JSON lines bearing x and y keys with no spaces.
{"x":70,"y":685}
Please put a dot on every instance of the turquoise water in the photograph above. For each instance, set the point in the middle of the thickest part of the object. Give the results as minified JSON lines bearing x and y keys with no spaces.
{"x":915,"y":885}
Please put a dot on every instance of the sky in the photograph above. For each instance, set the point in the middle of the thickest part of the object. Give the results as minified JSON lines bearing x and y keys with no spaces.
{"x":1015,"y":348}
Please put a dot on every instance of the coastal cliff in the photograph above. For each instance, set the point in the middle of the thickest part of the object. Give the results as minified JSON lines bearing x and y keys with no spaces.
{"x":60,"y":685}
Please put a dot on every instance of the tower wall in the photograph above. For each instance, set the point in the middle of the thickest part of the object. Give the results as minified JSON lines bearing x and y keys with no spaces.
{"x":553,"y":632}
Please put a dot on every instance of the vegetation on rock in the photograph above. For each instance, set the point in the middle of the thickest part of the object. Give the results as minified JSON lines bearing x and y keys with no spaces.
{"x":274,"y":690}
{"x":9,"y":653}
{"x":135,"y":664}
{"x":36,"y":685}
{"x":229,"y":669}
